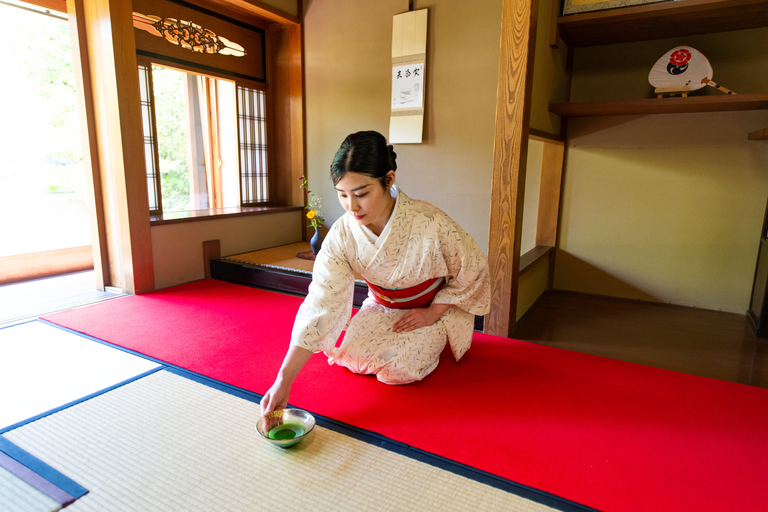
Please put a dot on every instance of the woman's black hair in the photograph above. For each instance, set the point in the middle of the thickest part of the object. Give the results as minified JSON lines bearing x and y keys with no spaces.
{"x":365,"y":153}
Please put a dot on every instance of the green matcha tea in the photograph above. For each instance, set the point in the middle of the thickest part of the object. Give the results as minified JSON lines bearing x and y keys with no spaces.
{"x":288,"y":430}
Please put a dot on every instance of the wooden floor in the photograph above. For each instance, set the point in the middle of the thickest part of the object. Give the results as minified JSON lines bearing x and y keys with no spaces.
{"x":690,"y":340}
{"x":23,"y":301}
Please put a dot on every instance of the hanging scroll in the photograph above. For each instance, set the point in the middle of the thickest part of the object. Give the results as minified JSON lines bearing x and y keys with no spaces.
{"x":409,"y":56}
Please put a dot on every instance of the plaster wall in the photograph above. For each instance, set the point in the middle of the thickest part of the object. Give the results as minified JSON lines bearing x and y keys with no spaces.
{"x":665,"y":208}
{"x":178,"y":248}
{"x":347,"y":46}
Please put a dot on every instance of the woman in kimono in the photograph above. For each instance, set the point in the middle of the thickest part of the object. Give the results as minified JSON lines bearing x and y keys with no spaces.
{"x":427,"y":279}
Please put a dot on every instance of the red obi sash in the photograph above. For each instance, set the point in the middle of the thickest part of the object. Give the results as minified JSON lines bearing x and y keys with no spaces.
{"x":419,"y":296}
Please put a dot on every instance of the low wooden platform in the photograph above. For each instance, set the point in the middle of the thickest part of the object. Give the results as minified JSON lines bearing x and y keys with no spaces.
{"x":280,"y":269}
{"x":276,"y":268}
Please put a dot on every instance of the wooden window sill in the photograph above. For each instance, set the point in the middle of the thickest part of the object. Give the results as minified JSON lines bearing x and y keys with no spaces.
{"x":217,"y":213}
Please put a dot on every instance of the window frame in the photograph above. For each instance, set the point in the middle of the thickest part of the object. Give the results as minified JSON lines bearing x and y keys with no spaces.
{"x":157,"y":214}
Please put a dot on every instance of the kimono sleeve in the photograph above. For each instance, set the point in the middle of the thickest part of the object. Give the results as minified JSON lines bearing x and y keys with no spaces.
{"x":468,"y":282}
{"x":328,"y":305}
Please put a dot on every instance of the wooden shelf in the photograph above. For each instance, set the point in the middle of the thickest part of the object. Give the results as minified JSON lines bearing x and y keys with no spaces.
{"x":691,"y":104}
{"x":661,"y":20}
{"x":759,"y":135}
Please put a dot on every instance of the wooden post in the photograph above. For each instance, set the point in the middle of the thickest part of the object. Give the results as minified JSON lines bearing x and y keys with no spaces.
{"x":549,"y":201}
{"x":94,"y":197}
{"x":105,"y":31}
{"x":211,"y":251}
{"x":549,"y":193}
{"x":513,"y":105}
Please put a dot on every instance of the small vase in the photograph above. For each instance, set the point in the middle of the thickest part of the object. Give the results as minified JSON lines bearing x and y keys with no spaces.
{"x":316,"y":241}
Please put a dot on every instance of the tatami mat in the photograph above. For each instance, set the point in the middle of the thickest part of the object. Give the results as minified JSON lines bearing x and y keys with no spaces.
{"x":280,"y":258}
{"x":168,"y":443}
{"x":283,"y":256}
{"x":43,"y":367}
{"x":18,"y":496}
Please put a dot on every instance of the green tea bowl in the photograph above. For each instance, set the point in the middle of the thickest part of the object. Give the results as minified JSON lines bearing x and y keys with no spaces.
{"x":285,"y":427}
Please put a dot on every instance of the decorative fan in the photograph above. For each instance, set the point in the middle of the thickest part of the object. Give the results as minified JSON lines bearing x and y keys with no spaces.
{"x":683,"y":69}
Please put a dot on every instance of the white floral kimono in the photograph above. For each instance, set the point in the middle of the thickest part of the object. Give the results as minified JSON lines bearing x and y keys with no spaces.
{"x":420,"y":242}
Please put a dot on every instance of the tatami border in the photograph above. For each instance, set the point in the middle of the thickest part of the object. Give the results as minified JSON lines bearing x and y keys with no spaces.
{"x":360,"y":434}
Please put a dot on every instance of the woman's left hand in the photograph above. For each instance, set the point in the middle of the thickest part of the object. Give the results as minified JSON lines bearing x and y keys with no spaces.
{"x":421,"y":317}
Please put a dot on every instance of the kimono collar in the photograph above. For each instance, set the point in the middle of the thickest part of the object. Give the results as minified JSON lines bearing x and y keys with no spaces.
{"x":379,"y":239}
{"x":393,"y":241}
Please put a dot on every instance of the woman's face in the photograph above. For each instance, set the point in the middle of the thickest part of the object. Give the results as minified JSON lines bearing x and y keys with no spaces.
{"x":366,"y":200}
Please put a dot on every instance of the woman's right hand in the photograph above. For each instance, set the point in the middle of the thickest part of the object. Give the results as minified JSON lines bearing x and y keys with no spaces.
{"x":276,"y":398}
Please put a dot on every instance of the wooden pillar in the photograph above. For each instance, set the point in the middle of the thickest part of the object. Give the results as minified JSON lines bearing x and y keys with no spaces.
{"x":549,"y":193}
{"x":90,"y":150}
{"x":549,"y":201}
{"x":114,"y":152}
{"x":287,"y":150}
{"x":518,"y":41}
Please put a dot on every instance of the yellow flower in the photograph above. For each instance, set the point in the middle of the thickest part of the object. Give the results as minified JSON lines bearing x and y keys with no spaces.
{"x":311,"y":214}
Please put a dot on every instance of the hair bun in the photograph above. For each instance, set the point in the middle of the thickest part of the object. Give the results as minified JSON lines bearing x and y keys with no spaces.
{"x":392,"y":156}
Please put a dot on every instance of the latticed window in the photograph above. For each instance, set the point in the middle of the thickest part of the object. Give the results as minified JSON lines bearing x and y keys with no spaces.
{"x":252,"y":123}
{"x":204,"y":140}
{"x":150,"y":139}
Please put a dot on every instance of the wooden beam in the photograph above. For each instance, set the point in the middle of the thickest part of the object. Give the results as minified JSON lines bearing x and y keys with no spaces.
{"x":106,"y":30}
{"x":23,"y":267}
{"x":759,"y":135}
{"x":287,"y":111}
{"x":51,"y":5}
{"x":554,"y":28}
{"x":549,"y":193}
{"x":254,"y":8}
{"x":94,"y":198}
{"x":513,"y":105}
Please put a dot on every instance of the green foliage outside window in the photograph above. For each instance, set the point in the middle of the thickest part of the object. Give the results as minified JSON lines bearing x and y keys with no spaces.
{"x":172,"y":136}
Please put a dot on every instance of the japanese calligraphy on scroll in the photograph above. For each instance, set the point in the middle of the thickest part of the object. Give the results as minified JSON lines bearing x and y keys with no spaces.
{"x":409,"y":55}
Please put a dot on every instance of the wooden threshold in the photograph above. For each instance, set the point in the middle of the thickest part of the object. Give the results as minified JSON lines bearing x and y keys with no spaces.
{"x":25,"y":267}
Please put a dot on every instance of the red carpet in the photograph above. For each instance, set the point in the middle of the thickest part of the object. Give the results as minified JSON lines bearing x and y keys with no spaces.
{"x":608,"y":434}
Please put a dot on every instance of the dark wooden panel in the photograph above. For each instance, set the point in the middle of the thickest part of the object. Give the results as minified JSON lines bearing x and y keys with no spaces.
{"x":662,"y":20}
{"x":251,"y":66}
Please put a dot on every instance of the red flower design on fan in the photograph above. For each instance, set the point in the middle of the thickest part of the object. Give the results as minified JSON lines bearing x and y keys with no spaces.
{"x":680,"y":57}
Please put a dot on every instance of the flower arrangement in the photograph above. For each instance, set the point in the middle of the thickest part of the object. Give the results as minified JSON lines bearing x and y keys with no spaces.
{"x":313,"y":205}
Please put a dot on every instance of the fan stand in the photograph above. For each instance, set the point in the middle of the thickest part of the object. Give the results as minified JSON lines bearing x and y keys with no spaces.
{"x":671,"y":91}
